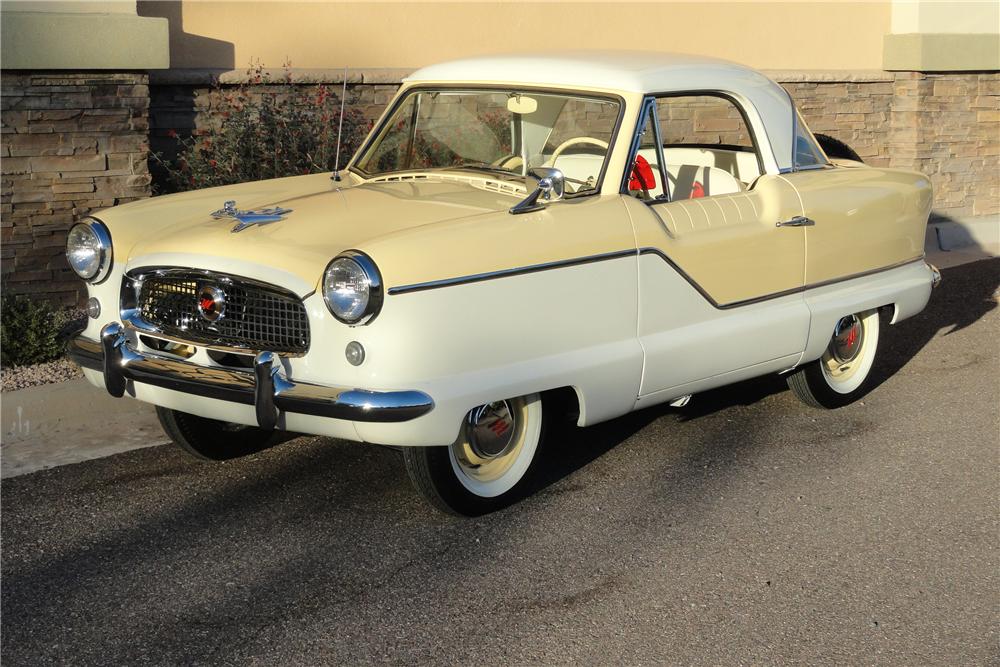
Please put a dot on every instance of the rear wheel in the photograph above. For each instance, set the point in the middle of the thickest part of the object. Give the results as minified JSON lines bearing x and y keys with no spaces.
{"x":841,"y":375}
{"x":212,"y":440}
{"x":835,"y":148}
{"x":488,"y":466}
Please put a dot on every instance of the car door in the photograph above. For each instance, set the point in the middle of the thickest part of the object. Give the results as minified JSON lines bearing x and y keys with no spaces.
{"x":719,"y":278}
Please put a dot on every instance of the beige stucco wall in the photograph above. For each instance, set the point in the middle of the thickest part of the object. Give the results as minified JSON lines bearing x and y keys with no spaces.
{"x":798,"y":35}
{"x":948,"y":16}
{"x":84,"y":35}
{"x":936,"y":36}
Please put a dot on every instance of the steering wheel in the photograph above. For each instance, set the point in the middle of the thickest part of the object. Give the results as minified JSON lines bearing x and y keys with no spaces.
{"x":508,"y":162}
{"x":572,"y":142}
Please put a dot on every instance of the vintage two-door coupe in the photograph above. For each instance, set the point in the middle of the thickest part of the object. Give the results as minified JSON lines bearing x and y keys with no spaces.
{"x":625,"y":229}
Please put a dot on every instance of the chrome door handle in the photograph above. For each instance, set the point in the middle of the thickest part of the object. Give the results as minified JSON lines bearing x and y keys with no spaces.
{"x":797,"y":221}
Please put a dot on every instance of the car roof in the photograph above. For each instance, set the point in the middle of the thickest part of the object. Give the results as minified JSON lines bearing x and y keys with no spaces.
{"x":645,"y":72}
{"x":634,"y":71}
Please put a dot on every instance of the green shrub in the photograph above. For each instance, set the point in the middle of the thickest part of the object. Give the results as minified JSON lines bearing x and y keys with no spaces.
{"x":270,"y":128}
{"x":32,"y":331}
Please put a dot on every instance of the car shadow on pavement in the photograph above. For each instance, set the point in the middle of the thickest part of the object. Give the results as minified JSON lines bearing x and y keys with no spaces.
{"x":155,"y":547}
{"x":966,"y":294}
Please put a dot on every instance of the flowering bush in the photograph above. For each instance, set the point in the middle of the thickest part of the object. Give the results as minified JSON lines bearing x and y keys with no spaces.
{"x":268,"y":129}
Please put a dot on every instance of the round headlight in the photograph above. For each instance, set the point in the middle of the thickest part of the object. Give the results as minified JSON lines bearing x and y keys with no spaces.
{"x":88,"y":250}
{"x":352,"y":288}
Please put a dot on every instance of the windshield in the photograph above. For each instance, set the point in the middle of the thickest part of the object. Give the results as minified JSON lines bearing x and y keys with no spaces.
{"x":502,"y":132}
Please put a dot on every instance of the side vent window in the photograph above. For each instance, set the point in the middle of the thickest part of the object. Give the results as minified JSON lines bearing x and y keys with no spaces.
{"x":807,"y":153}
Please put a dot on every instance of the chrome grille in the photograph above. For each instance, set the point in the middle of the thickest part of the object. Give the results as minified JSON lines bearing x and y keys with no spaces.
{"x":257,"y":316}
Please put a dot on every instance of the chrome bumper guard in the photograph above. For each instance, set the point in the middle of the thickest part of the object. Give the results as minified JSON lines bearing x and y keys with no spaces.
{"x":265,"y":387}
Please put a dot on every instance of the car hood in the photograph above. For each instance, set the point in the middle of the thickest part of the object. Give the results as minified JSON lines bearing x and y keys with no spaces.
{"x":325,"y":219}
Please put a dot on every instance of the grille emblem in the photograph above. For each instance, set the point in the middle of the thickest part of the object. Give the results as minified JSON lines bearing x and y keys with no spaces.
{"x":211,"y":303}
{"x":246,"y":219}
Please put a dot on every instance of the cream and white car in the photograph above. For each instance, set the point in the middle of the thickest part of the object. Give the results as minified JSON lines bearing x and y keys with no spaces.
{"x":622,"y":229}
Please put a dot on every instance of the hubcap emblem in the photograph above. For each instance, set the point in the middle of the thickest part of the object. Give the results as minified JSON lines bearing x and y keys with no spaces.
{"x":847,"y":338}
{"x":490,"y":429}
{"x":211,"y":303}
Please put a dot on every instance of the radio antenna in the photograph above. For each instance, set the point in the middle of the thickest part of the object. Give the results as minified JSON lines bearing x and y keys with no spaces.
{"x":340,"y":128}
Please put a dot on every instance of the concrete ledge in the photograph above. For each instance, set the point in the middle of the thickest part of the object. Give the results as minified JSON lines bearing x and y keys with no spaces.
{"x":395,"y":75}
{"x":77,"y":41}
{"x":941,"y":52}
{"x":207,"y":77}
{"x":829,"y":76}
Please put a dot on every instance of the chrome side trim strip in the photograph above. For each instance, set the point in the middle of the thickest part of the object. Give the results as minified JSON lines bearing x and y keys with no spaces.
{"x":119,"y":362}
{"x":506,"y":273}
{"x":774,"y":295}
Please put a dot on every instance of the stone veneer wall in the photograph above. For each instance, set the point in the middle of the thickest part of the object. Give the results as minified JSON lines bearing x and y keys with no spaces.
{"x":944,"y":125}
{"x":71,"y":143}
{"x":948,"y":126}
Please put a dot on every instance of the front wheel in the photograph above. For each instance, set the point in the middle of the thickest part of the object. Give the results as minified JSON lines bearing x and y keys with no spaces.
{"x":490,"y":463}
{"x":841,"y":375}
{"x":212,"y":440}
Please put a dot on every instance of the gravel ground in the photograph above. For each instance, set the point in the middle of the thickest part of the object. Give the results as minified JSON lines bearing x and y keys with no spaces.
{"x":22,"y":377}
{"x":13,"y":378}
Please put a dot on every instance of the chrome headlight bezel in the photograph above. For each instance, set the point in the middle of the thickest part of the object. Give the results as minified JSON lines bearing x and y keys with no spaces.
{"x":373,"y":279}
{"x":105,"y":251}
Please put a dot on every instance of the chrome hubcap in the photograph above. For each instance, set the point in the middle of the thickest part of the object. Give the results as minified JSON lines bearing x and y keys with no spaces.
{"x":490,"y":429}
{"x":848,"y":336}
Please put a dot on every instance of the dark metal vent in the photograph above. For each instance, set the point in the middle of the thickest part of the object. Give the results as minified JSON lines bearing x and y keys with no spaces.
{"x":256,"y":316}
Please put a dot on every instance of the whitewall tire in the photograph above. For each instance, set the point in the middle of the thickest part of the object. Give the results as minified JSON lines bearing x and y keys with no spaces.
{"x":842,"y":374}
{"x":489,"y":464}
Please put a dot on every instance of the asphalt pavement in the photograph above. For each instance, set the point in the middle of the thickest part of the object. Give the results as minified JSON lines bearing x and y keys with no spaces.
{"x":744,"y":528}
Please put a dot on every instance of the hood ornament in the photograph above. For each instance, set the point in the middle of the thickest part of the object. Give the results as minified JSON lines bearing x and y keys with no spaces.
{"x":262,"y":216}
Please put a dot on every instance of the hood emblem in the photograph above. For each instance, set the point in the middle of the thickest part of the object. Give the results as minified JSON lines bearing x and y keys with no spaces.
{"x":246,"y":219}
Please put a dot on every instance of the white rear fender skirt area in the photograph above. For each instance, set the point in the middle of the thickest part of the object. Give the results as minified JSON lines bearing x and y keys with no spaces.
{"x":687,"y":339}
{"x":469,"y":344}
{"x":906,"y":288}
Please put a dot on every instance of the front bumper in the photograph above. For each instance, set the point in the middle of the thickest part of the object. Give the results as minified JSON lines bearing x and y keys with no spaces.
{"x":265,"y":387}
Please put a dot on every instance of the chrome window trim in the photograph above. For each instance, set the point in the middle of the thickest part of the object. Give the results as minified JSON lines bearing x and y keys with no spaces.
{"x":647,"y":112}
{"x":795,"y":127}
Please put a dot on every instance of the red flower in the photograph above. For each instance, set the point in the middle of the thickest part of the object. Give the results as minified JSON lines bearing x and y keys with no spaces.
{"x":172,"y":134}
{"x":213,"y":164}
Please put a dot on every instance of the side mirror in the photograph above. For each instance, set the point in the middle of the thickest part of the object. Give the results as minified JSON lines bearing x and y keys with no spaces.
{"x":551,"y":187}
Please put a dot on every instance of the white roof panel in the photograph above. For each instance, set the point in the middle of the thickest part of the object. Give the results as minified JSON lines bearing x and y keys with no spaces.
{"x":637,"y":72}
